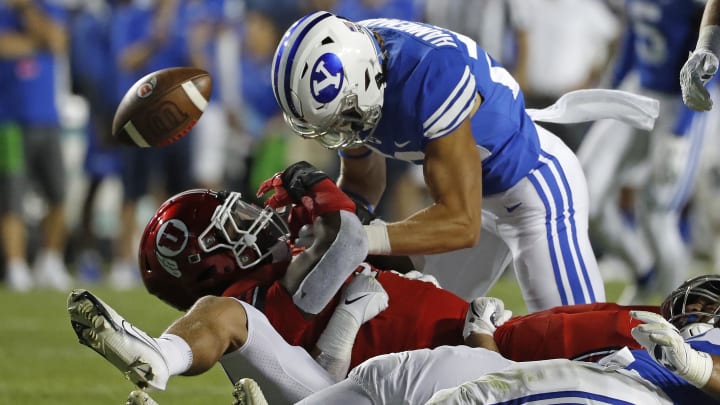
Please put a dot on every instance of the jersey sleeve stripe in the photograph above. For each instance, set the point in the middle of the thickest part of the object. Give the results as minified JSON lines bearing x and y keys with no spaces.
{"x":457,"y":90}
{"x":455,"y":108}
{"x":454,"y":124}
{"x":294,"y":35}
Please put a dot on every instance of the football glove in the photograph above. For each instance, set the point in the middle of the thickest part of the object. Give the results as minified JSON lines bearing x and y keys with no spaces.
{"x":698,"y":70}
{"x":304,"y":184}
{"x":663,"y":341}
{"x":485,"y":315}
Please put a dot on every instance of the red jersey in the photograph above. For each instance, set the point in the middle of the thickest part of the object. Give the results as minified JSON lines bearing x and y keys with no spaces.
{"x":419,"y":315}
{"x":581,"y":332}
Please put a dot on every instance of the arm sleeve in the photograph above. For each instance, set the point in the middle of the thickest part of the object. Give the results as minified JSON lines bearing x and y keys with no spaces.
{"x":324,"y":280}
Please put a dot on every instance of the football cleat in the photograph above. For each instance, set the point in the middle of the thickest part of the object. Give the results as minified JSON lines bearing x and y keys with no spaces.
{"x":129,"y":349}
{"x":247,"y":392}
{"x":363,"y":297}
{"x":140,"y":397}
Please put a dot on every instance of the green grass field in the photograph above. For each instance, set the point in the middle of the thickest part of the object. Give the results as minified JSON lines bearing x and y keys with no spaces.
{"x":41,"y":361}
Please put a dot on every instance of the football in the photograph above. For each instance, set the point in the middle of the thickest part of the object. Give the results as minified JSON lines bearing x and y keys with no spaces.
{"x":162,"y":107}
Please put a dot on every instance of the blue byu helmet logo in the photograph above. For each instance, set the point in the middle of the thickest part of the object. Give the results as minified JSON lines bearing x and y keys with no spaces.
{"x":326,"y":78}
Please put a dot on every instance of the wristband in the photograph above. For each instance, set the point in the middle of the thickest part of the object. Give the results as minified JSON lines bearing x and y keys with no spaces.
{"x":709,"y":38}
{"x":699,"y":370}
{"x":378,"y":239}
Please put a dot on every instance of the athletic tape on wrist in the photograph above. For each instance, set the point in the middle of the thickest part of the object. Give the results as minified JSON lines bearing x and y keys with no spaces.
{"x":700,"y":369}
{"x":378,"y":239}
{"x":709,"y":38}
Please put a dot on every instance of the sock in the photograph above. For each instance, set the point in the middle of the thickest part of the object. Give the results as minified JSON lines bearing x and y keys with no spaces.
{"x":336,"y":343}
{"x":177,"y":353}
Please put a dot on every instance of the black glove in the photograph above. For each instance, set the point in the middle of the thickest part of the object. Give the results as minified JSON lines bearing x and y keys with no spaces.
{"x":299,"y":178}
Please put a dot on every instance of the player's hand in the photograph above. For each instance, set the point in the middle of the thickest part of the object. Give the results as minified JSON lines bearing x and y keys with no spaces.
{"x":697,"y":71}
{"x":663,"y":341}
{"x":305,"y":185}
{"x":291,"y":184}
{"x":364,"y":297}
{"x":485,"y":315}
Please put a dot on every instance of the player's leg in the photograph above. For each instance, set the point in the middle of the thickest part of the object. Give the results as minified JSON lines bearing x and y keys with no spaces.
{"x":197,"y":341}
{"x":43,"y":145}
{"x":544,"y":221}
{"x":553,"y":381}
{"x":676,"y":145}
{"x":474,"y":270}
{"x":410,"y":377}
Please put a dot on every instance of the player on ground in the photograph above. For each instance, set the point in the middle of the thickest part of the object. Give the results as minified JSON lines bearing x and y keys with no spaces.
{"x":678,"y":366}
{"x":388,"y":88}
{"x":187,"y":253}
{"x":702,"y":64}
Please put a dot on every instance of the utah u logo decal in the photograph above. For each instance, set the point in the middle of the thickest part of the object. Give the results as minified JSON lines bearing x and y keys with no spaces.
{"x":326,"y":78}
{"x":172,"y":238}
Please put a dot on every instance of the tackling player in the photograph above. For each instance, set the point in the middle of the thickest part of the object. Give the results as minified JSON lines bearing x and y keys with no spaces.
{"x":387,"y":88}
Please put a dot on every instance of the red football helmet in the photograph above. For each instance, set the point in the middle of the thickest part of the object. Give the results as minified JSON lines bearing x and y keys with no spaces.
{"x":199,"y":242}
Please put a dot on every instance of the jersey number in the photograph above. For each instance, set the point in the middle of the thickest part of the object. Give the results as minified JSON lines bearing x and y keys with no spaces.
{"x":498,"y":74}
{"x":650,"y":46}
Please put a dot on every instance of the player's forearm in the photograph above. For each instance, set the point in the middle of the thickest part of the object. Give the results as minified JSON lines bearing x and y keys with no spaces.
{"x":712,"y":387}
{"x":363,"y":176}
{"x":14,"y":45}
{"x":711,"y":15}
{"x":709,"y":36}
{"x":436,"y":229}
{"x":43,"y":29}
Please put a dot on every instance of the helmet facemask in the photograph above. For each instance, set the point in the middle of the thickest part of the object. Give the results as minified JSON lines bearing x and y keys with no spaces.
{"x":348,"y":127}
{"x":251,"y":233}
{"x":695,"y":302}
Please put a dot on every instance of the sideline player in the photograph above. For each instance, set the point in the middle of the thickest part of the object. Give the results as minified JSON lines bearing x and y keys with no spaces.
{"x":657,"y":39}
{"x":387,"y":88}
{"x":702,"y":64}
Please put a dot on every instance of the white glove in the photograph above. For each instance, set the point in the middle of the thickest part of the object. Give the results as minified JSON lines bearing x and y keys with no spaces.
{"x":664,"y":343}
{"x":698,"y":70}
{"x":485,"y":315}
{"x":364,"y":297}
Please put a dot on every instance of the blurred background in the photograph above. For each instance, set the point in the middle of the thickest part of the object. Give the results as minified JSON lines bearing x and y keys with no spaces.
{"x":73,"y":203}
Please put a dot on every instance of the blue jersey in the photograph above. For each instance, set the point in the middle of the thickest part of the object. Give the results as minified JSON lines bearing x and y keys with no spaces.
{"x":33,"y":76}
{"x":660,"y":35}
{"x":132,"y":24}
{"x":433,"y":78}
{"x":679,"y":390}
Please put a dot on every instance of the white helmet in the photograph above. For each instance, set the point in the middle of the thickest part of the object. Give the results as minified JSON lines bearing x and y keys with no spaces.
{"x":327,"y":75}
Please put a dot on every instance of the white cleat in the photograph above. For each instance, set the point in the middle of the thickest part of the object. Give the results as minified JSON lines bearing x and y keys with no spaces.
{"x":140,"y":397}
{"x":247,"y":392}
{"x":129,"y":349}
{"x":363,"y":297}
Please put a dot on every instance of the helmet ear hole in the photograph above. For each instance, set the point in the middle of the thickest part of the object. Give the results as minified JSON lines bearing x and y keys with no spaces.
{"x":327,"y":40}
{"x":367,"y":79}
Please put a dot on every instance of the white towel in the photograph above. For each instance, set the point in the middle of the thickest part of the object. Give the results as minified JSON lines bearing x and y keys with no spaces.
{"x":596,"y":104}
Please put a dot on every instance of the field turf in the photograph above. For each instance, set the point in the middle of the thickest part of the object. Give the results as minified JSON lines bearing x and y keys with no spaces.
{"x":41,"y":361}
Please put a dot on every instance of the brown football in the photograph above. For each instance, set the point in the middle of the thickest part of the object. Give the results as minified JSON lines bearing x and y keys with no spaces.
{"x":162,"y":107}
